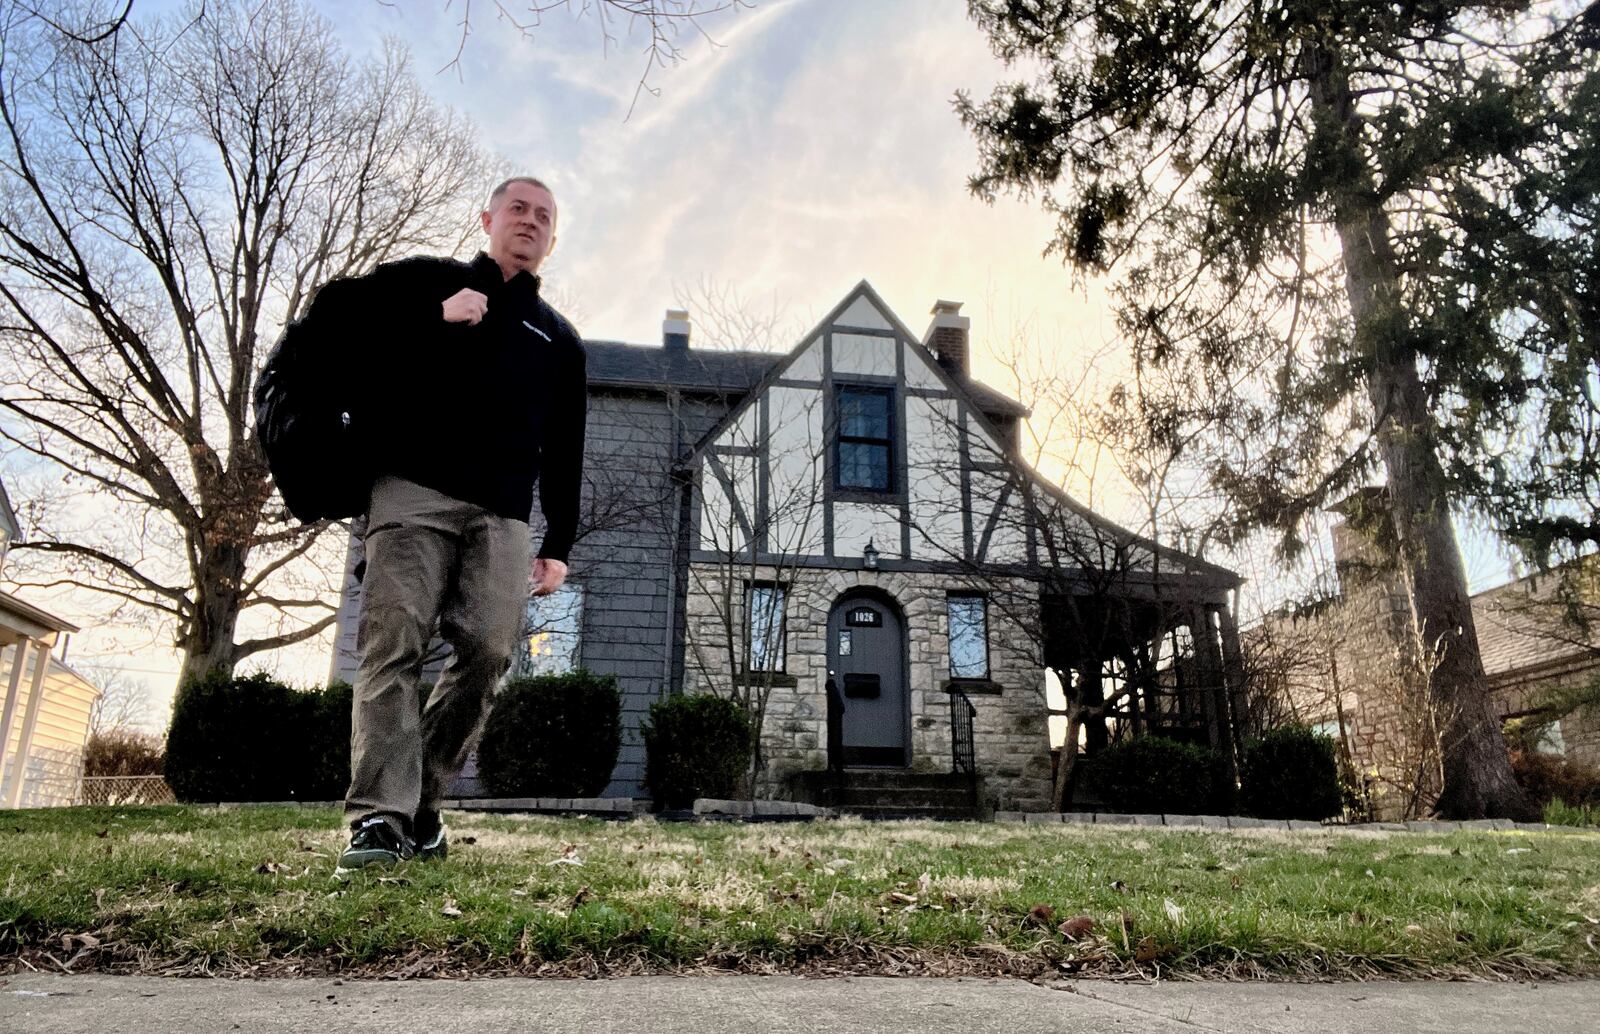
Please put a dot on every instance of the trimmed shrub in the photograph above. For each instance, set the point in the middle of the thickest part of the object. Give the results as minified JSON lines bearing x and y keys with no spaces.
{"x":552,"y":736}
{"x":1291,"y":773}
{"x":252,"y":738}
{"x":696,"y":745}
{"x":123,"y":752}
{"x":1156,"y":775}
{"x":323,"y":743}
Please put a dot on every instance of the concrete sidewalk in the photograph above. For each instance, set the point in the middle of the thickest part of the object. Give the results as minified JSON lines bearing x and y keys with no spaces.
{"x":46,"y":1004}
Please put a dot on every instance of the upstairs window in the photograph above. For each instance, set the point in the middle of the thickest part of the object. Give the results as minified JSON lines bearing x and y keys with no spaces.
{"x":969,"y":636}
{"x":764,"y":607}
{"x":866,"y":439}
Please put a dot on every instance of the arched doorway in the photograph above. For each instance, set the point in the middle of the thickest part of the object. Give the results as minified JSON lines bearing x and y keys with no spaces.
{"x":867,"y":660}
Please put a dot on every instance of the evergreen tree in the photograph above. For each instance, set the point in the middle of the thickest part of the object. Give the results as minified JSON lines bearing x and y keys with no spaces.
{"x":1352,"y":240}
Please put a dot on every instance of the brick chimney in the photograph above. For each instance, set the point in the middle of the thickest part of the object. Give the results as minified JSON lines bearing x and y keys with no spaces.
{"x":675,"y":330}
{"x":947,"y":338}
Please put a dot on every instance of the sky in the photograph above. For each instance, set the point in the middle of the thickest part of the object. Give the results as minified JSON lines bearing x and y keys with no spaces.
{"x":795,"y":149}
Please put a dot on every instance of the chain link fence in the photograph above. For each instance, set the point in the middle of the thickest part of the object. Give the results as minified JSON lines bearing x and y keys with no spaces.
{"x":125,"y":790}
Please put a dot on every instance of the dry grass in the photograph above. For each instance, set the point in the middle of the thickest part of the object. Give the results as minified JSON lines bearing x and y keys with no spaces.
{"x":248,"y":891}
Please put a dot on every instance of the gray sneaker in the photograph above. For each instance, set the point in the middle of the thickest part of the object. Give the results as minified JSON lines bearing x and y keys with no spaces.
{"x":373,"y":842}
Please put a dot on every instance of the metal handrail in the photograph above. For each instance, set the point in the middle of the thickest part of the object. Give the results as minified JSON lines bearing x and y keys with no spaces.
{"x":963,"y":750}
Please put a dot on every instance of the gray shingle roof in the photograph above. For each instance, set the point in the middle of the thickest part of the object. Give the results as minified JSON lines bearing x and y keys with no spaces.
{"x":618,"y":364}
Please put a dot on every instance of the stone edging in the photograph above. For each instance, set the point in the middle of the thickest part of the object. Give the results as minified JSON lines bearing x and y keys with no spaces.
{"x":1241,"y":822}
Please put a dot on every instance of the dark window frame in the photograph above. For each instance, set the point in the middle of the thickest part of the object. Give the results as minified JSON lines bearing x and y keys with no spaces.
{"x":983,"y":603}
{"x":889,"y":444}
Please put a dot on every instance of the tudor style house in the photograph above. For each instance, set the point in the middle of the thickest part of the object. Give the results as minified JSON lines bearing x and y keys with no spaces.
{"x":843,"y":537}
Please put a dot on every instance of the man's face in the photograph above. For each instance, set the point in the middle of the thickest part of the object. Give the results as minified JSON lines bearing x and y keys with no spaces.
{"x":521,"y":225}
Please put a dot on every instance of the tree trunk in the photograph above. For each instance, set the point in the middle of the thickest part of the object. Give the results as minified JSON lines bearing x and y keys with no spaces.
{"x":1478,"y":781}
{"x":207,"y":637}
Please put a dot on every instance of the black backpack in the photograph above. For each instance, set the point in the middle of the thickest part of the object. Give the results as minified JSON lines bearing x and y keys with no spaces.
{"x":305,"y":400}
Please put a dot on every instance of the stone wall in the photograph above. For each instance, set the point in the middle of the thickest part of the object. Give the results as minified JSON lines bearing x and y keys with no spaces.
{"x":1011,"y":734}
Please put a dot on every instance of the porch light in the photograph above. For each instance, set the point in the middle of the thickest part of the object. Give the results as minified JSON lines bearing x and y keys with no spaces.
{"x":870,"y":556}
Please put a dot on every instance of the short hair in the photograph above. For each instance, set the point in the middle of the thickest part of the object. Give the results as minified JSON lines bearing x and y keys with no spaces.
{"x":532,"y":181}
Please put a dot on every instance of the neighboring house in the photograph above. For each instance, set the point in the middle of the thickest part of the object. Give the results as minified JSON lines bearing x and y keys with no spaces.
{"x":10,"y":530}
{"x":44,"y":720}
{"x":1348,"y":665}
{"x":854,"y":512}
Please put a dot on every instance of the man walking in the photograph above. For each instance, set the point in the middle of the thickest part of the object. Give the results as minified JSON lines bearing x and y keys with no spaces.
{"x":473,"y":391}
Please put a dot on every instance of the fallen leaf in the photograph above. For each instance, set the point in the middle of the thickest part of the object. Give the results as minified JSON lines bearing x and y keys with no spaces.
{"x":1042,"y":914}
{"x":904,"y":899}
{"x":1520,"y":850}
{"x":103,"y":833}
{"x":837,"y":864}
{"x":449,"y":908}
{"x":1413,"y":928}
{"x":566,"y":860}
{"x":1119,"y":886}
{"x":582,"y":896}
{"x":1173,"y":910}
{"x":924,"y":884}
{"x":468,"y":840}
{"x":1077,"y":928}
{"x":271,"y":868}
{"x":1147,"y":951}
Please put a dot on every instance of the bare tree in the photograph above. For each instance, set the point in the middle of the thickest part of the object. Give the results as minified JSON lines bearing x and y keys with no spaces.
{"x":123,"y":704}
{"x":171,"y":194}
{"x":661,"y":22}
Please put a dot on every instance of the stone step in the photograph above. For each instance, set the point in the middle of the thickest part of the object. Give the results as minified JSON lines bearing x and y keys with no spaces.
{"x":966,"y":814}
{"x":898,"y":796}
{"x":887,"y":777}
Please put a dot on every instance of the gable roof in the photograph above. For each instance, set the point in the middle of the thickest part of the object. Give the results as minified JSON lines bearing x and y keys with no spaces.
{"x":975,"y":394}
{"x":964,"y":387}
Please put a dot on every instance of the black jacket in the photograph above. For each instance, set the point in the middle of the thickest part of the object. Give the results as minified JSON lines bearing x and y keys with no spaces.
{"x":478,"y":412}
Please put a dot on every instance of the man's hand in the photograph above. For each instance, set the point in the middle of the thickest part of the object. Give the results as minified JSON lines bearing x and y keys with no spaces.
{"x":466,"y":306}
{"x":548,"y":575}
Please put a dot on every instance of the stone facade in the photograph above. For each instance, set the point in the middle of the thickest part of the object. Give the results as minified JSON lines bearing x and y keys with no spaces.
{"x":1010,"y":730}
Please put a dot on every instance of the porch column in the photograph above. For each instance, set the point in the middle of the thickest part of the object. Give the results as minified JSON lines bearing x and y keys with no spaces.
{"x":19,"y":763}
{"x":19,"y":655}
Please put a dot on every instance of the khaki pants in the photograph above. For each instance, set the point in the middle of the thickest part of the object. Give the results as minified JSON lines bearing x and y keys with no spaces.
{"x":430,"y":558}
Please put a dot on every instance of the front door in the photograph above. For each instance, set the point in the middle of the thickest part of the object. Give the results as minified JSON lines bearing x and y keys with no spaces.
{"x":866,"y":656}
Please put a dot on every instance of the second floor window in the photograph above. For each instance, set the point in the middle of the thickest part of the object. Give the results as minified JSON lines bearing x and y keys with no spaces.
{"x":866,"y":439}
{"x":765,"y":610}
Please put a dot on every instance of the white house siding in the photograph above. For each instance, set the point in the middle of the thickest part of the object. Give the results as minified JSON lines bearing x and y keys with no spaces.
{"x":55,"y":752}
{"x":862,"y":313}
{"x":1011,"y":728}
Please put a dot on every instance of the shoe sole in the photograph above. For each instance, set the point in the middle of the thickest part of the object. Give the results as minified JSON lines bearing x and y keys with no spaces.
{"x":350,"y":861}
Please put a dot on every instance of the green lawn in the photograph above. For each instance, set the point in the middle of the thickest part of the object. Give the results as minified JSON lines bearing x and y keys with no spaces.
{"x":187,"y":889}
